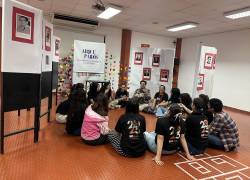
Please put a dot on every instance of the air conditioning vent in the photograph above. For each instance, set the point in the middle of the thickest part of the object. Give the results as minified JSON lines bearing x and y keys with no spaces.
{"x":74,"y":22}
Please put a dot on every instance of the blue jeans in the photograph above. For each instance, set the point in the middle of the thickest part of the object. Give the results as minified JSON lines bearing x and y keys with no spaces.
{"x":215,"y":142}
{"x":150,"y":139}
{"x":160,"y":111}
{"x":193,"y":150}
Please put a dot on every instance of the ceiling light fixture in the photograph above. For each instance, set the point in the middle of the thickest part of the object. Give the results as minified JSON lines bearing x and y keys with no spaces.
{"x":183,"y":26}
{"x":109,"y":12}
{"x":239,"y":13}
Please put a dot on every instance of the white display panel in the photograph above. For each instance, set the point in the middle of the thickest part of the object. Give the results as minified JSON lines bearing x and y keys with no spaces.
{"x":47,"y":46}
{"x":21,"y":38}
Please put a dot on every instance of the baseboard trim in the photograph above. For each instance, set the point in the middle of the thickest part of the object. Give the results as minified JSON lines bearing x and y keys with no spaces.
{"x":237,"y":110}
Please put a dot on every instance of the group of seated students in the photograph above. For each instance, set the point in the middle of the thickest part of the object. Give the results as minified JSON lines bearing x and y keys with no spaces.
{"x":182,"y":123}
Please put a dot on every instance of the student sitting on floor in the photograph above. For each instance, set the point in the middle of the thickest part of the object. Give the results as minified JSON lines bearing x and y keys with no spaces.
{"x":106,"y":89}
{"x":197,"y":129}
{"x":95,"y":124}
{"x":142,"y":95}
{"x":63,"y":108}
{"x":186,"y":101}
{"x":121,"y":98}
{"x":93,"y":92}
{"x":128,"y":139}
{"x":160,"y":98}
{"x":208,"y":113}
{"x":76,"y":111}
{"x":174,"y":98}
{"x":223,"y":131}
{"x":168,"y":133}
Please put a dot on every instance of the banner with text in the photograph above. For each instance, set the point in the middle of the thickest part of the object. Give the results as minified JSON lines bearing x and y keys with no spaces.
{"x":89,"y":57}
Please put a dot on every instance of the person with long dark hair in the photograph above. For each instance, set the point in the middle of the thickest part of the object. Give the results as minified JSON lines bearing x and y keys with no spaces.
{"x":197,"y":128}
{"x":169,"y":132}
{"x":76,"y":111}
{"x":128,"y":139}
{"x":106,"y":89}
{"x":208,"y":113}
{"x":186,"y":101}
{"x":93,"y":92}
{"x":174,"y":98}
{"x":95,"y":124}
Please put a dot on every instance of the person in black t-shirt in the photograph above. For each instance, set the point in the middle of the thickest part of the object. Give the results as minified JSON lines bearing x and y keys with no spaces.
{"x":128,"y":139}
{"x":197,"y":129}
{"x":168,"y":133}
{"x":208,"y":113}
{"x":186,"y":101}
{"x":159,"y":98}
{"x":121,"y":97}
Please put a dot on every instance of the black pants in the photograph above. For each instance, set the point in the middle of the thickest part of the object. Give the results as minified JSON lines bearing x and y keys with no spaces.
{"x":103,"y":139}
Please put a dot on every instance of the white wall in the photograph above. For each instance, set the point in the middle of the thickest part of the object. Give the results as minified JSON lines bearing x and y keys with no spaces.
{"x":232,"y":74}
{"x":154,"y":41}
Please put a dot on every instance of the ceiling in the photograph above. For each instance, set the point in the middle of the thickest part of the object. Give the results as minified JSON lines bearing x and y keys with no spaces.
{"x":138,"y":15}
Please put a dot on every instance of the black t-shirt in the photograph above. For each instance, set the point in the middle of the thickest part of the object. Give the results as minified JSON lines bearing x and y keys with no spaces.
{"x":197,"y":130}
{"x":119,"y":94}
{"x":132,"y":126}
{"x":63,"y":107}
{"x":210,"y":116}
{"x":159,"y":98}
{"x":166,"y":128}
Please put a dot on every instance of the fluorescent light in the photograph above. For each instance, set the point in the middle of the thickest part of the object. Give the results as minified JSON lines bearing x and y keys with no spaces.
{"x":182,"y":26}
{"x":109,"y":12}
{"x":236,"y":14}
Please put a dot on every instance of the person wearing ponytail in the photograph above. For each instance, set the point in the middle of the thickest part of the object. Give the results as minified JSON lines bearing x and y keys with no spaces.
{"x":197,"y":128}
{"x":169,"y":133}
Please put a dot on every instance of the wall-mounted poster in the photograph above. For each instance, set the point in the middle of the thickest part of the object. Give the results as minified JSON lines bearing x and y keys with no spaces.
{"x":138,"y":58}
{"x":22,"y":26}
{"x":156,"y":60}
{"x":200,"y":83}
{"x":47,"y":60}
{"x":164,"y":74}
{"x":57,"y":46}
{"x":209,"y":61}
{"x":146,"y":74}
{"x":47,"y":38}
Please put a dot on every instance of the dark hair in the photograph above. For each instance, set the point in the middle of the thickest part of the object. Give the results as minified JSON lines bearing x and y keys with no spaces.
{"x":205,"y":100}
{"x":132,"y":106}
{"x":175,"y":95}
{"x":100,"y":105}
{"x":186,"y":100}
{"x":163,"y":86}
{"x":93,"y":92}
{"x":80,"y":86}
{"x":78,"y":103}
{"x":143,"y":81}
{"x":199,"y":105}
{"x":216,"y":104}
{"x":175,"y":114}
{"x":103,"y":89}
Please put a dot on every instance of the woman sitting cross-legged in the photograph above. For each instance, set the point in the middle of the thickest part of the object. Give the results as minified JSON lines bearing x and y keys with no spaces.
{"x":168,"y":133}
{"x":197,"y":128}
{"x":95,"y":124}
{"x":128,"y":139}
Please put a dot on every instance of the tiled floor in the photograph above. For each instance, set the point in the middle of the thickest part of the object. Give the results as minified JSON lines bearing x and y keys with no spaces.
{"x":59,"y":156}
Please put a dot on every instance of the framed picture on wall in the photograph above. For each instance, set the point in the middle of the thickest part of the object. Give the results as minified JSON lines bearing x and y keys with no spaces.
{"x":156,"y":60}
{"x":47,"y":38}
{"x":22,"y":26}
{"x":138,"y":58}
{"x":57,"y":46}
{"x":164,"y":75}
{"x":200,"y":83}
{"x":209,"y":61}
{"x":47,"y":60}
{"x":146,"y":75}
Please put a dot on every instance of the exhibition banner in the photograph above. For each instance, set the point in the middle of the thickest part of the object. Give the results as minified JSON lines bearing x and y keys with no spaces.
{"x":56,"y":43}
{"x":48,"y":46}
{"x":204,"y":76}
{"x":89,"y":57}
